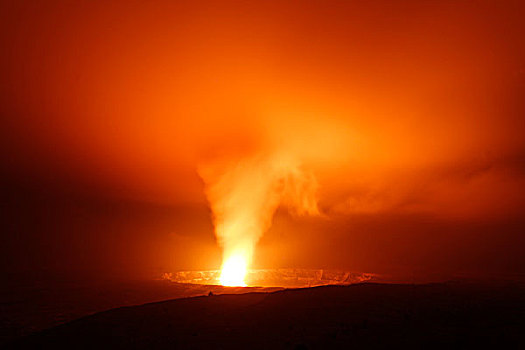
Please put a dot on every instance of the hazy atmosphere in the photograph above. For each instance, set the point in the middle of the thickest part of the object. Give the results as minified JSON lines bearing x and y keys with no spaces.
{"x":377,"y":136}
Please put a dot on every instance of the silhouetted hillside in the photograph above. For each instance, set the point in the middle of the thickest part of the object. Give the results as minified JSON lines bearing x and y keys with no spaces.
{"x":369,"y":315}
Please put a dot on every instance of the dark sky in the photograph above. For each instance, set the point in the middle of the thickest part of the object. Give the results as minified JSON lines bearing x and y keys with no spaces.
{"x":411,"y":115}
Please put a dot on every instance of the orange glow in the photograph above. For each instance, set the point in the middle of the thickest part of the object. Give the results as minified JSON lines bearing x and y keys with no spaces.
{"x":234,"y":270}
{"x":400,"y":122}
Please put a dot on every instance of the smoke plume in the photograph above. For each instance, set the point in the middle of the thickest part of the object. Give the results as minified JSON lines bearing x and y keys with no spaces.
{"x":245,"y":193}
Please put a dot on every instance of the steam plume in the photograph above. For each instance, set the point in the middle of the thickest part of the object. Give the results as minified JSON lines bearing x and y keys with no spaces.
{"x":245,"y":194}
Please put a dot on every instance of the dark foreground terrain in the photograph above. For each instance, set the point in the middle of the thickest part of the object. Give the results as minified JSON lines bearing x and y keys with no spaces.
{"x":444,"y":315}
{"x":29,"y":305}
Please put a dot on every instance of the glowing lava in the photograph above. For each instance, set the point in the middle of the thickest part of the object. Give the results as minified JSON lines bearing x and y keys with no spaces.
{"x":233,"y":272}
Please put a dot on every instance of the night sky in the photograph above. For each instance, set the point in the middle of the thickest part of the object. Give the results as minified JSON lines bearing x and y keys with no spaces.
{"x":410,"y":114}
